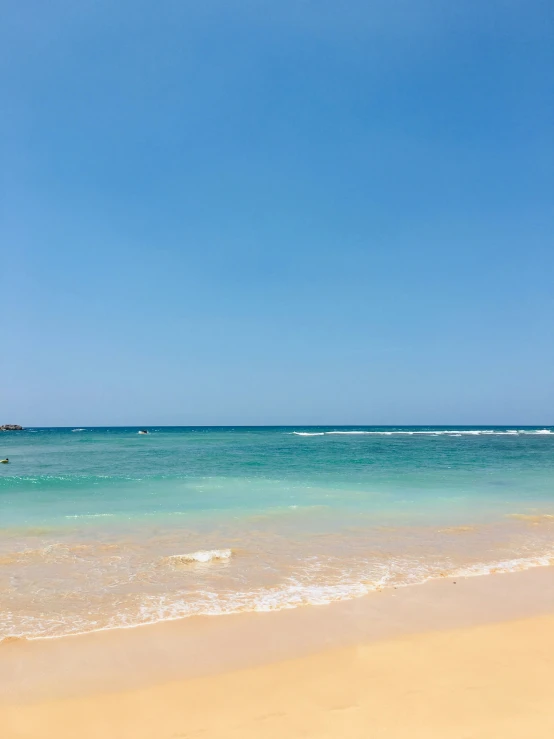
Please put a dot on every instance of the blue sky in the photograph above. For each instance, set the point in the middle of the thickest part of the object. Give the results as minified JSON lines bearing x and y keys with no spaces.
{"x":294,"y":212}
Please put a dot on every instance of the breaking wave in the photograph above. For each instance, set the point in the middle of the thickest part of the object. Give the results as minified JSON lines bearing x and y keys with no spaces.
{"x":203,"y":555}
{"x":430,"y":432}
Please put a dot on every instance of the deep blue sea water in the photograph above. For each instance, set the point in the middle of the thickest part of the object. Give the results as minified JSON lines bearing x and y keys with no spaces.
{"x":106,"y":527}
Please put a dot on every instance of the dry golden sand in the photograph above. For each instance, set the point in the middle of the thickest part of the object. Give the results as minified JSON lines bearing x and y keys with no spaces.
{"x":471,"y":679}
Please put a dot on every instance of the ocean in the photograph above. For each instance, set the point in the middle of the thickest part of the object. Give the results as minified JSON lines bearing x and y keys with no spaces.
{"x":106,"y":528}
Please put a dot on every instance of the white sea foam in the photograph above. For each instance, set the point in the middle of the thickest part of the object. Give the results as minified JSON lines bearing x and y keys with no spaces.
{"x":203,"y":555}
{"x":294,"y":592}
{"x":74,"y":430}
{"x":510,"y":565}
{"x":350,"y":432}
{"x":428,"y":432}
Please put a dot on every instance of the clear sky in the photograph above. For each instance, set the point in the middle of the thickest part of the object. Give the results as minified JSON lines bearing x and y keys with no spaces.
{"x":296,"y":211}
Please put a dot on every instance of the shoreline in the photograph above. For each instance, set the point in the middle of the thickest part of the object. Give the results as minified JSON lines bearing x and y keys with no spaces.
{"x":439,"y":661}
{"x":495,"y":568}
{"x":360,"y":590}
{"x":202,"y":646}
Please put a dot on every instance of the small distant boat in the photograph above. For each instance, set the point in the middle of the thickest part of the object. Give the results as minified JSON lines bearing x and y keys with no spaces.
{"x":4,"y":461}
{"x":143,"y":431}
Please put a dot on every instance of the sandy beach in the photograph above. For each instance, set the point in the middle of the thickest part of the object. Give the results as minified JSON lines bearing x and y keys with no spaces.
{"x":470,"y":658}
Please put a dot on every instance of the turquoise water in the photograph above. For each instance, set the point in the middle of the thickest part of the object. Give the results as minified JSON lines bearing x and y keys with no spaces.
{"x":98,"y":526}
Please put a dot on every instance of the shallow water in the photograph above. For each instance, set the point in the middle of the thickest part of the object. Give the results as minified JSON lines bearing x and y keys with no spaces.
{"x":94,"y":523}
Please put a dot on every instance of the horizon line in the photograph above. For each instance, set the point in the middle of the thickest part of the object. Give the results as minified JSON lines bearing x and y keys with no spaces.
{"x":292,"y":425}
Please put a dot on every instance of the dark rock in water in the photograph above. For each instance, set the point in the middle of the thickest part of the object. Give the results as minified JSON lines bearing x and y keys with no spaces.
{"x":11,"y":427}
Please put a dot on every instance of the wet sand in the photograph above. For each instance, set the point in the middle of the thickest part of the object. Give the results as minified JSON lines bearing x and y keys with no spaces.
{"x":471,"y":659}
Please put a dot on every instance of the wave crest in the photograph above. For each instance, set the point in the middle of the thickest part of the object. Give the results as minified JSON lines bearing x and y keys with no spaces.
{"x":202,"y":556}
{"x":430,"y":432}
